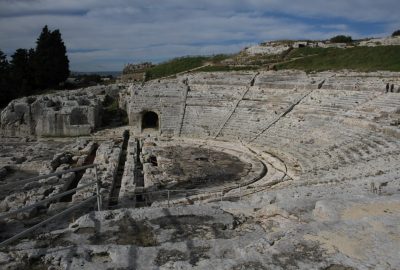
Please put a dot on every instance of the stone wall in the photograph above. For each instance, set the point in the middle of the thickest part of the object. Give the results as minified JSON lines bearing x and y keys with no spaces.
{"x":166,"y":99}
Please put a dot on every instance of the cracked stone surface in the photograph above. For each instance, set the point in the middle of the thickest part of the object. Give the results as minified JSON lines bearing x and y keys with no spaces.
{"x":301,"y":171}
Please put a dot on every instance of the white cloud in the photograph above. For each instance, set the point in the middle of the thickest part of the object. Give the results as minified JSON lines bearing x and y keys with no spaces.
{"x":107,"y":34}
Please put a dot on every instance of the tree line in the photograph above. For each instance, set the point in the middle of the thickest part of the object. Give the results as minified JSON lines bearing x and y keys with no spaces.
{"x":31,"y":71}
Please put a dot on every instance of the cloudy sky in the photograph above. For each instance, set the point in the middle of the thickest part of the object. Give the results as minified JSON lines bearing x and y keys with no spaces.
{"x":104,"y":35}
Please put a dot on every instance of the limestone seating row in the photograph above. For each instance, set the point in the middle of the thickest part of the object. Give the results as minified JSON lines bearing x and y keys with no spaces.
{"x":210,"y":96}
{"x":383,"y":169}
{"x":295,"y":156}
{"x":203,"y":121}
{"x":273,"y":94}
{"x":155,"y":101}
{"x":234,"y":127}
{"x":153,"y":90}
{"x":314,"y":157}
{"x":205,"y":90}
{"x":339,"y":98}
{"x":257,"y":114}
{"x":370,"y":83}
{"x":220,"y":78}
{"x":254,"y":119}
{"x":205,"y":102}
{"x":290,"y":76}
{"x":388,"y":102}
{"x":351,"y":153}
{"x":287,"y":85}
{"x":283,"y":137}
{"x":265,"y":77}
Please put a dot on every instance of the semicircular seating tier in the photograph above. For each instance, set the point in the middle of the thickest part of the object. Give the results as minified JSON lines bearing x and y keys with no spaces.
{"x":326,"y":127}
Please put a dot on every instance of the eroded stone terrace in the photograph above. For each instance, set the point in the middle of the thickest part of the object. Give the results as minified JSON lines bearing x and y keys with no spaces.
{"x":281,"y":170}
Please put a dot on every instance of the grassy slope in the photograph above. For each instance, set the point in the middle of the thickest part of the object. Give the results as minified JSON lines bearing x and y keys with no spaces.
{"x":358,"y":58}
{"x":311,"y":59}
{"x":181,"y":64}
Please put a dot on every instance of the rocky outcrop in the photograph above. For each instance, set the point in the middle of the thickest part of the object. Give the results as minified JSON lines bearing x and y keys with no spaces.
{"x":268,"y":48}
{"x":387,"y":41}
{"x":66,"y":113}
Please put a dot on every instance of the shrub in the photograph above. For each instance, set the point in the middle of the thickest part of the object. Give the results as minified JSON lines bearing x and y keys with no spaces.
{"x":396,"y":33}
{"x":341,"y":39}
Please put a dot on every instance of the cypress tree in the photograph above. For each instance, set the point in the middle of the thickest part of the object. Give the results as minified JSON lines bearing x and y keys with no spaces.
{"x":5,"y":90}
{"x":51,"y":61}
{"x":396,"y":33}
{"x":21,"y":72}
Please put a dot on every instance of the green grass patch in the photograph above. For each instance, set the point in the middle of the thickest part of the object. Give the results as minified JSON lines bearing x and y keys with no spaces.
{"x":306,"y":51}
{"x":182,"y":64}
{"x":357,"y":58}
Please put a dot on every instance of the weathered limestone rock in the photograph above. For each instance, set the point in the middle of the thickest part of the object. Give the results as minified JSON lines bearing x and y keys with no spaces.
{"x":290,"y":171}
{"x":69,"y":113}
{"x":107,"y":157}
{"x":326,"y":210}
{"x":387,"y":41}
{"x":127,"y":196}
{"x":269,"y":48}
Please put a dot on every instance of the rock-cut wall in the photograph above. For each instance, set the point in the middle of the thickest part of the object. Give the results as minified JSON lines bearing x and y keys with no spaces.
{"x":65,"y":113}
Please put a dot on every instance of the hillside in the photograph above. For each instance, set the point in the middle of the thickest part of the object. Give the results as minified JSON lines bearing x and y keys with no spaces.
{"x":181,"y":64}
{"x":281,"y":55}
{"x":356,"y":58}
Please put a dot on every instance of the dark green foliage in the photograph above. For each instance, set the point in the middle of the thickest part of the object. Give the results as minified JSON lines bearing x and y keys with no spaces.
{"x":5,"y":91}
{"x":396,"y":33}
{"x":357,"y":58}
{"x":218,"y":58}
{"x":21,"y":72}
{"x":32,"y":71}
{"x":51,"y":62}
{"x":341,"y":39}
{"x":3,"y":62}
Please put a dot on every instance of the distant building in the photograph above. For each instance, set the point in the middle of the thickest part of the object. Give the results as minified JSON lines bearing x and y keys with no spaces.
{"x":135,"y":72}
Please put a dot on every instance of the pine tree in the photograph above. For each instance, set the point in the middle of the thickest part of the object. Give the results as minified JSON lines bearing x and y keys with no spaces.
{"x":51,"y":61}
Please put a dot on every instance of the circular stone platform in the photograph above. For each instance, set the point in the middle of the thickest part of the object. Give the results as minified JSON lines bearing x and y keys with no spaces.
{"x":197,"y":170}
{"x":194,"y":167}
